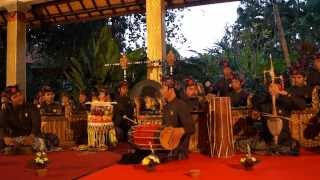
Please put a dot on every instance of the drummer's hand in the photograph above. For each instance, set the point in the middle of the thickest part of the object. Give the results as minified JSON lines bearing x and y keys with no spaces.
{"x":283,"y":92}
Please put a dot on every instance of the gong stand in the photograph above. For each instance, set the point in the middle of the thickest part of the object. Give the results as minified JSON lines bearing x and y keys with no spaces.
{"x":124,"y":63}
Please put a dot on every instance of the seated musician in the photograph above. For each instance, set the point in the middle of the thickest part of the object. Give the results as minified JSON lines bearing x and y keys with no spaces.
{"x":237,"y":95}
{"x":312,"y":131}
{"x":20,"y":124}
{"x":49,"y":106}
{"x":313,"y":77}
{"x":176,"y":114}
{"x":103,"y":94}
{"x":94,"y":95}
{"x":82,"y":100}
{"x":38,"y":99}
{"x":66,"y":102}
{"x":299,"y":89}
{"x":124,"y":107}
{"x":284,"y":105}
{"x":222,"y":87}
{"x":191,"y":95}
{"x":208,"y":87}
{"x":194,"y":98}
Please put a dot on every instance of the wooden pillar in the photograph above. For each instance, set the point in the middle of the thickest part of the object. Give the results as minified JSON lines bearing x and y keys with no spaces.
{"x":16,"y":47}
{"x":156,"y":46}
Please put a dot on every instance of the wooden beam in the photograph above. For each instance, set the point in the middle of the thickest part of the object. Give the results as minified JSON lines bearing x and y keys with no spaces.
{"x":35,"y":15}
{"x":60,"y":12}
{"x":49,"y":15}
{"x":122,"y":1}
{"x":90,"y":18}
{"x":141,"y":3}
{"x":84,"y":7}
{"x":53,"y":3}
{"x":47,"y":11}
{"x":94,"y":10}
{"x":70,"y":7}
{"x":109,"y":4}
{"x":198,"y":3}
{"x":96,"y":7}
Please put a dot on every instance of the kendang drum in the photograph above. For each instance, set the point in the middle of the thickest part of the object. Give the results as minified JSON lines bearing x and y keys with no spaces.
{"x":142,"y":136}
{"x":219,"y":127}
{"x":101,"y":131}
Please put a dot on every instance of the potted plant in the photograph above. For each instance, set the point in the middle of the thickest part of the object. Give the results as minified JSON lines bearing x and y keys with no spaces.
{"x":248,"y":162}
{"x":40,"y":163}
{"x":151,"y":160}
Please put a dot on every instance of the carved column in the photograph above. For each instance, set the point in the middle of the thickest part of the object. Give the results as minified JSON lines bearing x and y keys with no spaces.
{"x":16,"y":46}
{"x":156,"y":46}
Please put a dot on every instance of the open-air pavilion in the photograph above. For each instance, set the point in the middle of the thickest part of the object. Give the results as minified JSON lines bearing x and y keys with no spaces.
{"x":17,"y":15}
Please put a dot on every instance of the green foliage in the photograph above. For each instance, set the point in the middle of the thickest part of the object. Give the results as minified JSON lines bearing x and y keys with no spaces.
{"x":88,"y":69}
{"x":137,"y":72}
{"x":71,"y":46}
{"x":248,"y":43}
{"x":202,"y":67}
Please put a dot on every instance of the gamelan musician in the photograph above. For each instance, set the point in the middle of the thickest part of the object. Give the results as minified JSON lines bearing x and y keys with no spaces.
{"x":176,"y":114}
{"x":237,"y":95}
{"x":284,"y":104}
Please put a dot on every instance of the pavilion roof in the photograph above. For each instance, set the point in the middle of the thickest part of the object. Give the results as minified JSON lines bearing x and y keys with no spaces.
{"x":68,"y":11}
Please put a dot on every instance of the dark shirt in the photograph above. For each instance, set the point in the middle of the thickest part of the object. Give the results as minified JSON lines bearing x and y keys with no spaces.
{"x":20,"y":121}
{"x":285,"y":105}
{"x":82,"y":108}
{"x":176,"y":114}
{"x":302,"y":94}
{"x":195,"y":104}
{"x":238,"y":99}
{"x":222,"y":87}
{"x":313,"y":78}
{"x":123,"y":107}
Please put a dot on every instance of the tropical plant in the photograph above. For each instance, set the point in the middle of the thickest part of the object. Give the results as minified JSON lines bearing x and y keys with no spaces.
{"x":95,"y":65}
{"x":88,"y":68}
{"x":254,"y":36}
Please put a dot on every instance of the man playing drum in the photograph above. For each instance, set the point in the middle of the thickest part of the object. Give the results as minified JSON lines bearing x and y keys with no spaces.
{"x":176,"y":114}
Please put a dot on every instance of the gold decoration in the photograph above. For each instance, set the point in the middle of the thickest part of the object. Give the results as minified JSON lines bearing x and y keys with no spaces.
{"x":124,"y":62}
{"x":171,"y":58}
{"x":248,"y":161}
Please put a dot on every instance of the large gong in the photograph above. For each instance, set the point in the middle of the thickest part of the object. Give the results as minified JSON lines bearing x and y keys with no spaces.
{"x":148,"y":104}
{"x":146,"y":88}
